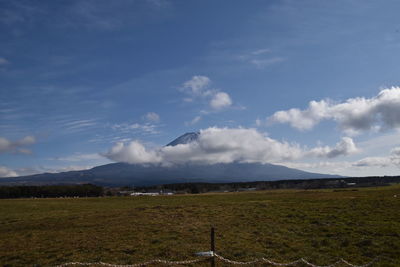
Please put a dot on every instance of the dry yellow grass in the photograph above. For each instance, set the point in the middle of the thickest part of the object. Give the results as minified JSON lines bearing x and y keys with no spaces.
{"x":284,"y":225}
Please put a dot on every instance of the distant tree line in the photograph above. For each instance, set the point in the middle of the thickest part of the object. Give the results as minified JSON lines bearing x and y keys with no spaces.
{"x":195,"y":188}
{"x":85,"y":190}
{"x":89,"y":190}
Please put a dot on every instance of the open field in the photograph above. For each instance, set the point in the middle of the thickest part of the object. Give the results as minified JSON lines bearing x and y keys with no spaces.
{"x":283,"y":225}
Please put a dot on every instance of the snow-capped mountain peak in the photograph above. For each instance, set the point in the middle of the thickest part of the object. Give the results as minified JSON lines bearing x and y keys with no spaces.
{"x":185,"y":139}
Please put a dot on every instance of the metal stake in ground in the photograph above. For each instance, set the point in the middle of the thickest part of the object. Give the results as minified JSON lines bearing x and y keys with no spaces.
{"x":212,"y":239}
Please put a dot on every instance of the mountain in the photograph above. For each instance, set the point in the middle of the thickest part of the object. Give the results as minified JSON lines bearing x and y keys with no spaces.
{"x":185,"y":139}
{"x":118,"y":174}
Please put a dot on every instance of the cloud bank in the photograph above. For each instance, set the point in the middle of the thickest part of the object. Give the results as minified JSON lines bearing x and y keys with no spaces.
{"x":225,"y":145}
{"x":353,"y":115}
{"x":367,"y":166}
{"x":5,"y":172}
{"x":392,"y":159}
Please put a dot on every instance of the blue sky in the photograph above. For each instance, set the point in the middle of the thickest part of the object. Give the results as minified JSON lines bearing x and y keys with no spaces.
{"x":84,"y":83}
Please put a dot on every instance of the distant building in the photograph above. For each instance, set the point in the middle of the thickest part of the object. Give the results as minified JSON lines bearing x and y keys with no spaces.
{"x":153,"y":193}
{"x":144,"y":194}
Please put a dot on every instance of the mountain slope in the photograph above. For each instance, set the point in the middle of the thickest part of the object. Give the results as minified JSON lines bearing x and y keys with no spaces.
{"x":140,"y":175}
{"x":135,"y":174}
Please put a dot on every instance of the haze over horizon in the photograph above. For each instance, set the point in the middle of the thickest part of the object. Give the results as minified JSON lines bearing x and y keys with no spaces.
{"x":312,"y":85}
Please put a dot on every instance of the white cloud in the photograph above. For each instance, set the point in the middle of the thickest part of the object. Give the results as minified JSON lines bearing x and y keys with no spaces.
{"x":16,"y":146}
{"x":395,"y":156}
{"x":220,"y":100}
{"x":332,"y":167}
{"x":395,"y":151}
{"x":134,"y":152}
{"x":194,"y":121}
{"x":353,"y":116}
{"x":367,"y":166}
{"x":152,"y":117}
{"x":373,"y":162}
{"x":302,"y":119}
{"x":224,"y":145}
{"x":26,"y":141}
{"x":148,"y":128}
{"x":345,"y":147}
{"x":6,"y":172}
{"x":265,"y":62}
{"x":261,"y":51}
{"x":393,"y":159}
{"x":198,"y":88}
{"x":261,"y":58}
{"x":80,"y":125}
{"x":49,"y":169}
{"x":24,"y":151}
{"x":196,"y":85}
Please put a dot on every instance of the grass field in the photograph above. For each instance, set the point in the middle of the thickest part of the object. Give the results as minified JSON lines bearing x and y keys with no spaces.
{"x":284,"y":225}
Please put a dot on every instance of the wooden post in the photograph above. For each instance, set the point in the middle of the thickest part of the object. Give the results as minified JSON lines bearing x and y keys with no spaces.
{"x":212,"y":239}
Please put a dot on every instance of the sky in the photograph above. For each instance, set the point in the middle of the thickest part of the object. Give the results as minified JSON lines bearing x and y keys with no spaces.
{"x":311,"y":84}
